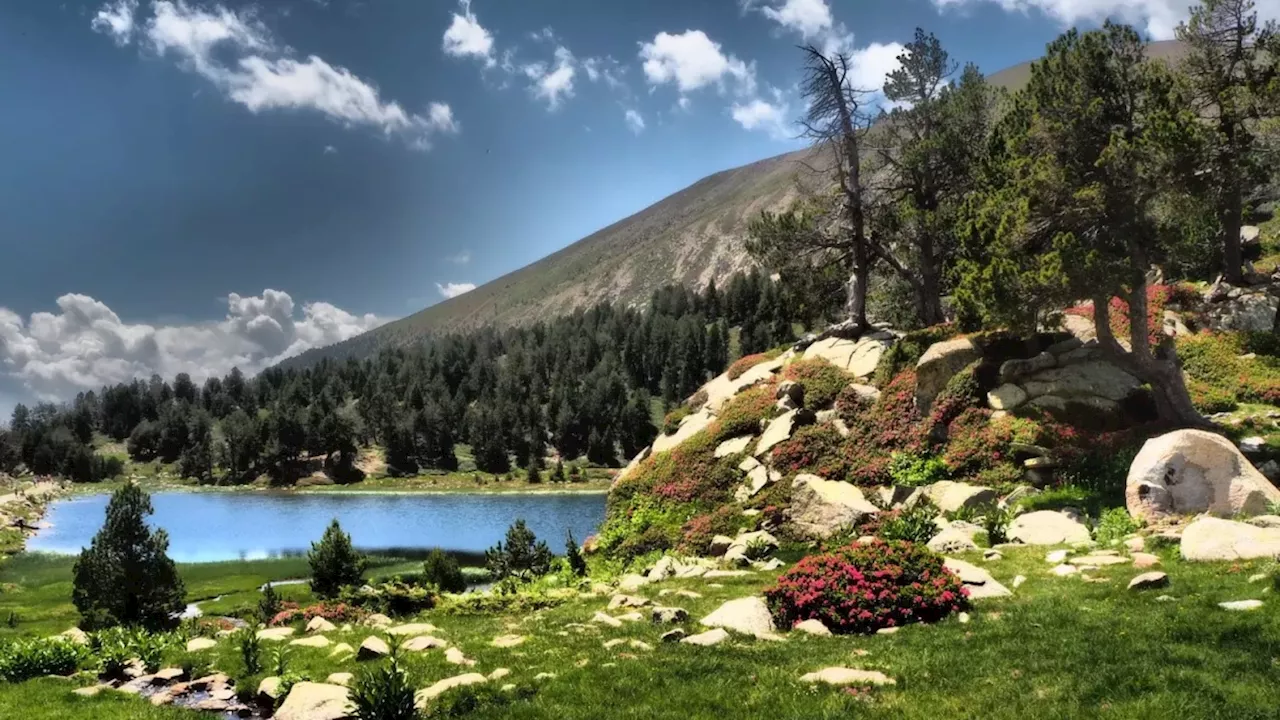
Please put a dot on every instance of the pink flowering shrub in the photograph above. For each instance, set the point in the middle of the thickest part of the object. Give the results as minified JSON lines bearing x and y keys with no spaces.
{"x":336,"y":612}
{"x":863,"y":588}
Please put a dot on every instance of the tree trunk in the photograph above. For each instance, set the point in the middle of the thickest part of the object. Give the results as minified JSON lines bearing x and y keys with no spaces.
{"x":856,"y":299}
{"x":930,"y":286}
{"x":1231,"y":218}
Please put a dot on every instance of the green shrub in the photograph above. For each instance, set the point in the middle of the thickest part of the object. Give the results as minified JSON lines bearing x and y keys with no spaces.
{"x":914,"y":470}
{"x":393,"y":597}
{"x":915,"y":524}
{"x":996,"y":523}
{"x":523,"y":557}
{"x":268,"y":604}
{"x":1060,"y":497}
{"x":382,"y":691}
{"x":335,"y":564}
{"x":524,"y":601}
{"x":1114,"y":525}
{"x":250,"y":649}
{"x":1219,"y":374}
{"x":863,"y":588}
{"x":35,"y":657}
{"x":573,"y":556}
{"x":742,"y":414}
{"x":116,"y":647}
{"x":822,"y":381}
{"x":441,"y":570}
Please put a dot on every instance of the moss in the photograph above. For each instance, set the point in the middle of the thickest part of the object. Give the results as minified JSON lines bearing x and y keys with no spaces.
{"x":743,"y":413}
{"x":821,"y":380}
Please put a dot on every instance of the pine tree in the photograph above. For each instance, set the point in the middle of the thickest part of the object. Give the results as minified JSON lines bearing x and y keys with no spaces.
{"x":523,"y":557}
{"x":125,"y":576}
{"x":335,"y":563}
{"x":573,"y":555}
{"x":441,"y":569}
{"x":557,"y":473}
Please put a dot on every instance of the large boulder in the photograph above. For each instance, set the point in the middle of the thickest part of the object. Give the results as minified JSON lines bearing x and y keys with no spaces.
{"x":1092,"y":379}
{"x":691,"y":425}
{"x":721,"y":388}
{"x":950,"y":496}
{"x":781,"y":429}
{"x":749,"y":616}
{"x":1211,"y":538}
{"x":856,"y":357}
{"x":1187,"y":472}
{"x":979,"y":582}
{"x":821,"y":508}
{"x":315,"y":701}
{"x":1048,"y":527}
{"x":939,"y":364}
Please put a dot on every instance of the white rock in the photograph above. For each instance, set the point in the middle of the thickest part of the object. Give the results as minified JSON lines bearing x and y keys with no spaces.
{"x":749,"y":616}
{"x":424,"y":696}
{"x":1018,"y":580}
{"x":318,"y":624}
{"x":939,"y":364}
{"x":454,"y":655}
{"x":315,"y":701}
{"x":1241,"y":605}
{"x":952,"y":540}
{"x":1149,"y":580}
{"x":734,"y":446}
{"x":1065,"y":570}
{"x":1048,"y":527}
{"x":710,"y":637}
{"x":1056,"y":557}
{"x":781,"y":428}
{"x":312,"y":641}
{"x":275,"y":634}
{"x":847,"y":676}
{"x":198,"y":644}
{"x":980,"y":582}
{"x":1216,"y":539}
{"x":691,"y":425}
{"x":812,"y":626}
{"x":372,"y":647}
{"x":1187,"y":472}
{"x":820,"y":508}
{"x":1006,"y":397}
{"x":508,"y":641}
{"x":950,"y":496}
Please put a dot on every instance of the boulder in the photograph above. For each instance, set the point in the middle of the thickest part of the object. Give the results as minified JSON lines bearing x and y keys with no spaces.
{"x":710,"y":637}
{"x":869,"y":393}
{"x":749,"y":616}
{"x":318,"y":624}
{"x":691,"y":425}
{"x":75,"y":635}
{"x":1149,"y":580}
{"x":377,"y":620}
{"x":313,"y":641}
{"x":423,"y":643}
{"x":721,"y":388}
{"x":847,"y":676}
{"x":939,"y":364}
{"x":1187,"y":472}
{"x":269,"y":690}
{"x":668,"y":615}
{"x":1211,"y":538}
{"x":757,"y":478}
{"x":1048,"y":527}
{"x":1250,"y":312}
{"x":821,"y":508}
{"x":1095,"y":378}
{"x":734,"y":446}
{"x":1011,"y":370}
{"x":1006,"y":397}
{"x":952,"y":540}
{"x":199,"y":644}
{"x":340,"y":678}
{"x":315,"y":701}
{"x":812,"y":626}
{"x":675,"y":635}
{"x":856,"y":357}
{"x":792,"y":392}
{"x":372,"y":647}
{"x":424,"y":696}
{"x":781,"y":428}
{"x":275,"y":634}
{"x":950,"y":496}
{"x":979,"y":582}
{"x":632,"y":582}
{"x":719,"y":544}
{"x":454,"y":656}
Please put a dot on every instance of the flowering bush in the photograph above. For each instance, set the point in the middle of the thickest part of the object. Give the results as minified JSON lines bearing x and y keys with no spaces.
{"x":335,"y":612}
{"x":743,"y":413}
{"x":1221,"y":372}
{"x":822,"y":381}
{"x":863,"y":588}
{"x":745,"y":363}
{"x":1159,"y":297}
{"x":818,"y":449}
{"x":726,"y":520}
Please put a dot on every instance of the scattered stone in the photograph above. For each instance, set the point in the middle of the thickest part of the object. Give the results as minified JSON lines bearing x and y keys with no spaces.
{"x":424,"y":696}
{"x":318,"y":624}
{"x":275,"y":634}
{"x":738,"y":550}
{"x":626,"y":601}
{"x":713,"y":574}
{"x":341,"y":649}
{"x":820,"y":508}
{"x":1166,"y":598}
{"x":1048,"y":527}
{"x":963,"y":618}
{"x":1006,"y":397}
{"x":1135,"y":544}
{"x":630,"y":617}
{"x":691,"y":425}
{"x":675,"y":635}
{"x":499,"y":674}
{"x":632,"y":582}
{"x":1187,"y":472}
{"x":1065,"y":570}
{"x":315,"y":701}
{"x":813,"y":626}
{"x":639,"y":645}
{"x":952,"y":540}
{"x":847,"y":676}
{"x":719,"y":544}
{"x":980,"y":582}
{"x":1258,"y":577}
{"x":377,"y":620}
{"x":455,"y":656}
{"x":372,"y":647}
{"x":611,"y":644}
{"x":1018,"y":581}
{"x":1252,"y":445}
{"x":710,"y":637}
{"x":858,"y":357}
{"x":1241,"y":605}
{"x":781,"y":428}
{"x":423,"y":643}
{"x":340,"y":678}
{"x":199,"y":644}
{"x":767,"y":565}
{"x":545,"y":676}
{"x":1216,"y":539}
{"x":733,"y":447}
{"x":991,"y":555}
{"x":668,"y":615}
{"x":688,"y":593}
{"x":168,"y":675}
{"x":1145,"y":560}
{"x":757,"y":478}
{"x":888,"y":630}
{"x":314,"y":641}
{"x":749,"y":616}
{"x":950,"y":496}
{"x":1056,"y":556}
{"x":508,"y":641}
{"x":1149,"y":580}
{"x":89,"y":691}
{"x":413,"y":629}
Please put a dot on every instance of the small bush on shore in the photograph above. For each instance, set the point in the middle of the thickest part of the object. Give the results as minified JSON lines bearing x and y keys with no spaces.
{"x":24,"y":659}
{"x":863,"y":588}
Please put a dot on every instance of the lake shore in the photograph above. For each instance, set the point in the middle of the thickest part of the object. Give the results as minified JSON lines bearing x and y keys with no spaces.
{"x":411,"y":486}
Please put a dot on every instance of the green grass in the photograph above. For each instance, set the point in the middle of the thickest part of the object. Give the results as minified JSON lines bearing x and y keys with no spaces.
{"x":1059,"y":648}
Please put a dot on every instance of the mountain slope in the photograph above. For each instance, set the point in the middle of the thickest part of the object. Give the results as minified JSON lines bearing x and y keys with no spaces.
{"x":690,"y":237}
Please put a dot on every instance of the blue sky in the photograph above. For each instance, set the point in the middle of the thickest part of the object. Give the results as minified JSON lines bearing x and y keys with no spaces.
{"x":165,"y":163}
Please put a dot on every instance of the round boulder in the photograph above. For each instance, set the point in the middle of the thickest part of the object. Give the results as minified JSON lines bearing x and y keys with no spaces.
{"x":1188,"y":472}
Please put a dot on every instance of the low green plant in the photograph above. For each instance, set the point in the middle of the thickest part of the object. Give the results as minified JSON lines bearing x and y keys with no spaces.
{"x":383,"y":691}
{"x":996,"y":523}
{"x":914,"y":470}
{"x":915,"y":524}
{"x":441,"y":570}
{"x":269,"y":604}
{"x":116,"y":648}
{"x":1114,"y":525}
{"x":465,"y":700}
{"x":250,"y":649}
{"x":35,"y":657}
{"x":757,"y":549}
{"x":194,"y":664}
{"x":573,"y":556}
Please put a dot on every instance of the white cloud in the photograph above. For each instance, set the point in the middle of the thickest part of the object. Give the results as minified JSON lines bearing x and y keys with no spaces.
{"x":635,"y":122}
{"x":1158,"y":17}
{"x":453,"y":290}
{"x":116,"y":20}
{"x":236,"y":53}
{"x":85,"y":345}
{"x":461,"y":258}
{"x":555,"y":83}
{"x":762,"y":115}
{"x":330,"y":150}
{"x":811,"y":19}
{"x":870,"y":65}
{"x":467,"y":37}
{"x":606,"y":70}
{"x":691,"y":60}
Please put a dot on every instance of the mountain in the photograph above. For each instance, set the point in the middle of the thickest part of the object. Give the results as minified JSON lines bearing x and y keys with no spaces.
{"x":690,"y":237}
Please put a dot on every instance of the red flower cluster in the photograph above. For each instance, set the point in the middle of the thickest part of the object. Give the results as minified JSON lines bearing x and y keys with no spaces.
{"x":745,"y":363}
{"x":863,"y":588}
{"x":339,"y":612}
{"x":1159,"y":297}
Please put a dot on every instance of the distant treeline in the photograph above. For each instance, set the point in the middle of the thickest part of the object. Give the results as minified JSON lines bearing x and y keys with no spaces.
{"x":581,"y":384}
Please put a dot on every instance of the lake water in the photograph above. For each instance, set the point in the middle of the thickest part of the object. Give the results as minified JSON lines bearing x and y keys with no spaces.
{"x":210,"y":526}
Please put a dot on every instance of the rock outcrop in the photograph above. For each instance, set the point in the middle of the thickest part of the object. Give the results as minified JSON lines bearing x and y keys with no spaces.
{"x":749,"y":616}
{"x":1187,"y":472}
{"x":821,"y":508}
{"x":1048,"y":527}
{"x":939,"y":364}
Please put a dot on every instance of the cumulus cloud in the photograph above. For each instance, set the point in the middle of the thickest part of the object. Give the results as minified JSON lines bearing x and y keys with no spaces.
{"x":1158,"y":17}
{"x":461,"y":258}
{"x":635,"y":122}
{"x":606,"y":70}
{"x":810,"y":19}
{"x":871,"y":64}
{"x":691,"y":61}
{"x":86,"y":345}
{"x":237,"y":54}
{"x":453,"y":290}
{"x":553,"y":83}
{"x":466,"y":37}
{"x":762,"y":115}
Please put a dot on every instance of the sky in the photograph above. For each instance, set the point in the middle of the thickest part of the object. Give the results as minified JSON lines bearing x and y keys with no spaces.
{"x":188,"y":186}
